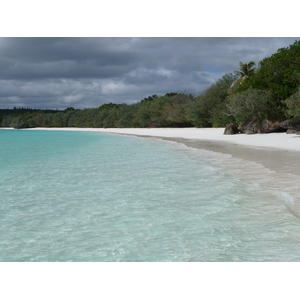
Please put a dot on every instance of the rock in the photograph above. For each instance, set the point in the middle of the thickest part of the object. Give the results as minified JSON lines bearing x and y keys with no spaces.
{"x":292,"y":131}
{"x":231,"y":129}
{"x":249,"y":127}
{"x":268,"y":127}
{"x":292,"y":127}
{"x":264,"y":126}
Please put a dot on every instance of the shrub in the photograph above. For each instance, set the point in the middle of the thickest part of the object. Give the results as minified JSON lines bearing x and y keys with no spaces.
{"x":250,"y":104}
{"x":204,"y":109}
{"x":293,"y":105}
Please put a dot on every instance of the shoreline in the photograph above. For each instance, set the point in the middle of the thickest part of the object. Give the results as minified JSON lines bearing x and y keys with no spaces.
{"x":280,"y":141}
{"x":276,"y":151}
{"x":269,"y":160}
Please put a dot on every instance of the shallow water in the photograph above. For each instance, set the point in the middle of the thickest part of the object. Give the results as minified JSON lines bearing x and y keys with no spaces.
{"x":82,"y":196}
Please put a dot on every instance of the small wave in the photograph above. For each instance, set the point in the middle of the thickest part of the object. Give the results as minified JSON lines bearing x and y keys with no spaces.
{"x":292,"y":203}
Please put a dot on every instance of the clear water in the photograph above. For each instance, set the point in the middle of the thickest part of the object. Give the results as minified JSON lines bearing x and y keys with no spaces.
{"x":83,"y":196}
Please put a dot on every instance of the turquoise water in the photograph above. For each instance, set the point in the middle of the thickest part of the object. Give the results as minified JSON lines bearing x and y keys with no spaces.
{"x":84,"y":196}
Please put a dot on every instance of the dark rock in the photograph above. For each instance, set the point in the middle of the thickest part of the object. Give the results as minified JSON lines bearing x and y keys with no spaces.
{"x":293,"y":127}
{"x":292,"y":131}
{"x":249,"y":127}
{"x":231,"y":129}
{"x":264,"y":126}
{"x":268,"y":127}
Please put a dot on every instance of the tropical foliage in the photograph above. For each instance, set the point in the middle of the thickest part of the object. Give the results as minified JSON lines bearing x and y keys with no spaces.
{"x":209,"y":108}
{"x":271,"y":91}
{"x":250,"y":104}
{"x":293,"y":106}
{"x":246,"y":70}
{"x":278,"y":74}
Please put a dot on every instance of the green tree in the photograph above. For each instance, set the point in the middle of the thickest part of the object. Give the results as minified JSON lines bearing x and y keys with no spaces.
{"x":175,"y":113}
{"x":279,"y":74}
{"x":246,"y":70}
{"x":125,"y":116}
{"x":251,"y":104}
{"x":203,"y":111}
{"x":293,"y":105}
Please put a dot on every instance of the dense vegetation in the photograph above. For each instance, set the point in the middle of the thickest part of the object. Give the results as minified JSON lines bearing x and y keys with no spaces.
{"x":170,"y":110}
{"x":271,"y":91}
{"x":279,"y":75}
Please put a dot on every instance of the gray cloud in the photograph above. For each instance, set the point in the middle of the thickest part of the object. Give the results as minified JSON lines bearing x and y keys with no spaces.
{"x":87,"y":72}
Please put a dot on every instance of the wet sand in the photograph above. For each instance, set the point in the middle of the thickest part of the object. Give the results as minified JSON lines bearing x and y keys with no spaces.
{"x":278,"y":160}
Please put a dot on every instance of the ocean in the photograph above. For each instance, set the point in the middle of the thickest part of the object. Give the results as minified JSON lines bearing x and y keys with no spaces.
{"x":95,"y":197}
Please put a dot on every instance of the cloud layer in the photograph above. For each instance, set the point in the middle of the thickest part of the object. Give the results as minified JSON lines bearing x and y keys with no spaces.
{"x":88,"y":72}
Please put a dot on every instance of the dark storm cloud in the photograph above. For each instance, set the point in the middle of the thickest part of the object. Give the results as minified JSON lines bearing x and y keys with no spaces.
{"x":59,"y":49}
{"x":87,"y":72}
{"x":37,"y":58}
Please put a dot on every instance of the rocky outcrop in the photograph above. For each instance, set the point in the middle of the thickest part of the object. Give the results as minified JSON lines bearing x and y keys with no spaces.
{"x":292,"y":127}
{"x":264,"y":126}
{"x":231,"y":129}
{"x":292,"y":131}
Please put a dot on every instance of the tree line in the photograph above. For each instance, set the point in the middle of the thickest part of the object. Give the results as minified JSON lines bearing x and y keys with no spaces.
{"x":271,"y":91}
{"x":169,"y":110}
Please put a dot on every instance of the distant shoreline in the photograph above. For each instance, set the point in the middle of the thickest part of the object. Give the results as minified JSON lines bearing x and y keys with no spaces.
{"x":280,"y":141}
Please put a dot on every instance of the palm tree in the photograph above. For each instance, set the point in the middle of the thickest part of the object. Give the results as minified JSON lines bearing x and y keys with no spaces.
{"x":246,"y":70}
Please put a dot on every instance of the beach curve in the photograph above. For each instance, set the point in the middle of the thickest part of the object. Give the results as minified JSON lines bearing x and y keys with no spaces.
{"x":271,"y":160}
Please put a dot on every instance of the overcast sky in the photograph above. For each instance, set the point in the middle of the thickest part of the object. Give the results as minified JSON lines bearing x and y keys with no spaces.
{"x":57,"y":73}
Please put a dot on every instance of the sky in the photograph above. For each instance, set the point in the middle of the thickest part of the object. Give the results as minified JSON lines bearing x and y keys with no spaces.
{"x":56,"y":73}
